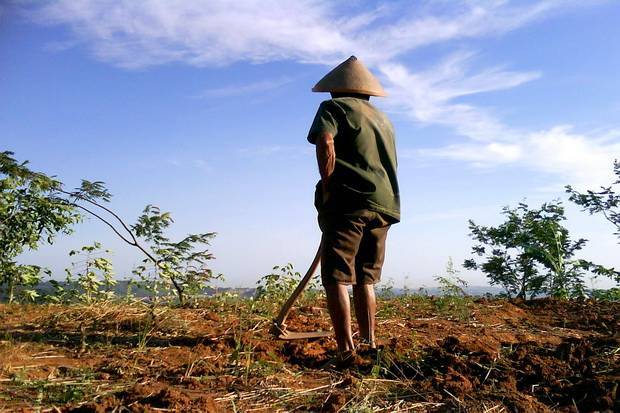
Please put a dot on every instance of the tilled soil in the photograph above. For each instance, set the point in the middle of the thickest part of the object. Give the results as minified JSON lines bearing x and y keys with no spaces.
{"x":471,"y":356}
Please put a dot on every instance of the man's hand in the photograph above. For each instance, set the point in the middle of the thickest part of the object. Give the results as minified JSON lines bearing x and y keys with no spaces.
{"x":326,"y":158}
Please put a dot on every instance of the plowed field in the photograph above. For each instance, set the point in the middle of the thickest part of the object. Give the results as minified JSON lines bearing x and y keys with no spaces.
{"x":484,"y":356}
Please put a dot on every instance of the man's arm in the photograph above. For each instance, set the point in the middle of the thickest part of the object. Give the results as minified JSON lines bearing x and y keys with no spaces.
{"x":326,"y":158}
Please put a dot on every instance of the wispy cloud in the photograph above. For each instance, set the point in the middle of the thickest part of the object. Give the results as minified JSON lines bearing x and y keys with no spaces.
{"x":134,"y":35}
{"x":428,"y":96}
{"x":218,"y":32}
{"x":202,"y":33}
{"x":431,"y":22}
{"x":245,"y":88}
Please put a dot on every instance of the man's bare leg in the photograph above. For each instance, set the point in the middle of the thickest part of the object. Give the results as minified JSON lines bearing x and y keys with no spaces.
{"x":340,"y":312}
{"x":365,"y":309}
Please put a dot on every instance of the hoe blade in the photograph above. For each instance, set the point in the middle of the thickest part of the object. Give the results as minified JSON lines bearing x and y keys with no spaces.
{"x":298,"y":335}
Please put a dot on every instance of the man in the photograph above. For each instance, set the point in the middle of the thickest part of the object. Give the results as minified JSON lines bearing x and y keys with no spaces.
{"x":357,"y":197}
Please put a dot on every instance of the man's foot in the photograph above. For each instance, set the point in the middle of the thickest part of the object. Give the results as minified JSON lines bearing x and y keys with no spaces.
{"x":367,"y":349}
{"x":364,"y":342}
{"x":345,"y":359}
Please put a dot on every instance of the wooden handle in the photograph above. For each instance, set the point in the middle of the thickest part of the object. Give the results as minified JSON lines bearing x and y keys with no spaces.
{"x":286,"y":308}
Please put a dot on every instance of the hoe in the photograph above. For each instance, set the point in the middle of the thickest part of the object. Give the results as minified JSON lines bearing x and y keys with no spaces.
{"x":279,"y":326}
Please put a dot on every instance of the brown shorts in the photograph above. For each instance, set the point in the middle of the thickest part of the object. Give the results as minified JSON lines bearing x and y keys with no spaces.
{"x":353,"y":247}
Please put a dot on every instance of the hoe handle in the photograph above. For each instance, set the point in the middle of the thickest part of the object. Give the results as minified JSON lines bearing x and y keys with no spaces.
{"x":279,"y":321}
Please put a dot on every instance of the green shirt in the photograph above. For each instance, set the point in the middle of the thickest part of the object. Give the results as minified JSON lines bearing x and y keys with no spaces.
{"x":365,"y":172}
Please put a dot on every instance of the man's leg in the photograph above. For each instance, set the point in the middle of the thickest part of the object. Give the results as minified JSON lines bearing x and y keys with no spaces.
{"x":342,"y":234}
{"x":340,"y":312}
{"x":369,"y":263}
{"x":365,"y":309}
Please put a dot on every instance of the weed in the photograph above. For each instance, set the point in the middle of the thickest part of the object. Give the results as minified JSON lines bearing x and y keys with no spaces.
{"x":275,"y":288}
{"x":454,"y":300}
{"x":89,"y":280}
{"x":46,"y":392}
{"x":364,"y":406}
{"x":612,"y":294}
{"x":406,"y":291}
{"x":148,"y":326}
{"x":387,"y":309}
{"x":277,"y":285}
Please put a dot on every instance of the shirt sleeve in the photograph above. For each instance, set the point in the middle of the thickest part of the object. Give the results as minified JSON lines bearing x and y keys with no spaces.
{"x":324,"y":121}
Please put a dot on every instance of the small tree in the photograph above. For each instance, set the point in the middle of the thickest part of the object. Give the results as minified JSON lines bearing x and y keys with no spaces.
{"x":605,"y":202}
{"x":182,"y":264}
{"x":555,"y":251}
{"x":506,"y":249}
{"x":531,"y":253}
{"x":29,"y":215}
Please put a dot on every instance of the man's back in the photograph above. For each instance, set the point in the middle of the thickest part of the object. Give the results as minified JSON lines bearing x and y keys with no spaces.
{"x":357,"y":198}
{"x":365,"y":173}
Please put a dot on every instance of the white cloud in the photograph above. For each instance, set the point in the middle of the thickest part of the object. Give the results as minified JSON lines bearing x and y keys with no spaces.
{"x":421,"y":24}
{"x":560,"y":151}
{"x":482,"y":155}
{"x":566,"y":156}
{"x":134,"y":34}
{"x":428,"y":96}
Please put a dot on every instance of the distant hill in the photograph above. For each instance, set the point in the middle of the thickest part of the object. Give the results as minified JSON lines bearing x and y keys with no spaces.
{"x":120,"y":289}
{"x":476,"y":290}
{"x":46,"y":288}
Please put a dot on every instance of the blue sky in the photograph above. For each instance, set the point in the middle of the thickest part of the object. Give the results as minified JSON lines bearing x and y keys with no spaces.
{"x":202,"y":108}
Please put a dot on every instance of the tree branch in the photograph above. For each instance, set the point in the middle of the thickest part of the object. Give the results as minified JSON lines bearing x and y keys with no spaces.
{"x":73,"y":194}
{"x":130,"y":242}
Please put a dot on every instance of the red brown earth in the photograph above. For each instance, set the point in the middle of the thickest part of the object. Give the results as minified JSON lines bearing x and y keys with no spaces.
{"x":484,"y":356}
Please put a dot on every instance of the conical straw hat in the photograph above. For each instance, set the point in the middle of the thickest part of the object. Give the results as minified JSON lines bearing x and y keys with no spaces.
{"x":350,"y":76}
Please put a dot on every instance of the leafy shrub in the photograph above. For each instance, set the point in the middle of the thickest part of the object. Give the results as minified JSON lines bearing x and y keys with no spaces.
{"x":89,"y":280}
{"x":26,"y":278}
{"x":34,"y":208}
{"x":450,"y":284}
{"x":532,"y":253}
